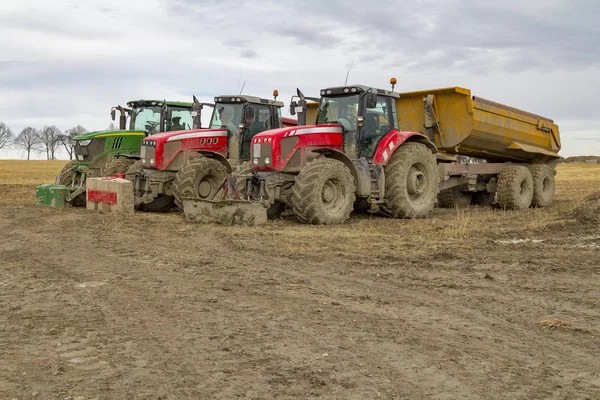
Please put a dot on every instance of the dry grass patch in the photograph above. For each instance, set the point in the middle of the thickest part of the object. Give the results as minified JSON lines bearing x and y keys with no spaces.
{"x":18,"y":179}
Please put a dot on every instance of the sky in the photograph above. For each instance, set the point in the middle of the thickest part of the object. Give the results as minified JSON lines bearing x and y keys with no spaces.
{"x":66,"y":63}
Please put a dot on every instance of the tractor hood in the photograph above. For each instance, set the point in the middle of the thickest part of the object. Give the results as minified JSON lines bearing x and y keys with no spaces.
{"x":186,"y":134}
{"x":107,"y":133}
{"x":284,"y":149}
{"x":166,"y":150}
{"x":281,"y":133}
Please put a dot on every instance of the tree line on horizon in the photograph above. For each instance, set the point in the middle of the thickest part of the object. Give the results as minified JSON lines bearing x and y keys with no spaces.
{"x":48,"y":139}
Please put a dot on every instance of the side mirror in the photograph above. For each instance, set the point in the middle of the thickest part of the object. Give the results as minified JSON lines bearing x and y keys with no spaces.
{"x":112,"y":113}
{"x":249,"y":114}
{"x":164,"y":111}
{"x":371,"y":100}
{"x":293,"y":105}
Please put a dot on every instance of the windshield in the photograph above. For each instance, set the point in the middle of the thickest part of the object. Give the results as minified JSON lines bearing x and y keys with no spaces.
{"x":226,"y":115}
{"x":340,"y":109}
{"x":146,"y":119}
{"x":178,"y":119}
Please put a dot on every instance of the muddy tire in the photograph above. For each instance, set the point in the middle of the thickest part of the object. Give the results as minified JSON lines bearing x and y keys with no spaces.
{"x":411,"y":182}
{"x":134,"y":169}
{"x":323,"y":192}
{"x":543,"y":185}
{"x":515,"y":188}
{"x":66,"y":175}
{"x":454,"y":198}
{"x":241,"y":173}
{"x":199,"y":178}
{"x":160,"y":204}
{"x":117,"y":166}
{"x":275,"y":210}
{"x":483,"y":198}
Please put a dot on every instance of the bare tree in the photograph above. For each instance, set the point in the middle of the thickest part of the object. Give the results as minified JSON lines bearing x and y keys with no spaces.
{"x":28,"y":140}
{"x":6,"y":136}
{"x":66,"y":139}
{"x":50,"y":138}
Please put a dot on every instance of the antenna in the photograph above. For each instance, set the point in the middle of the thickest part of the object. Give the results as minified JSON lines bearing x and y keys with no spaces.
{"x":348,"y":72}
{"x":242,"y":89}
{"x":239,"y":79}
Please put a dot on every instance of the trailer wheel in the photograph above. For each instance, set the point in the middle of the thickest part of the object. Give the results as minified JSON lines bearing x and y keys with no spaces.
{"x":117,"y":166}
{"x":133,"y":170}
{"x":543,"y":185}
{"x":515,"y":188}
{"x":199,"y":178}
{"x":323,"y":192}
{"x":412,"y":181}
{"x":454,"y":198}
{"x":66,"y":175}
{"x":483,"y":198}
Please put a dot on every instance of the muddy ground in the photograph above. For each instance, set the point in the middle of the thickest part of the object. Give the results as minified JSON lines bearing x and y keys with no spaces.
{"x":475,"y":304}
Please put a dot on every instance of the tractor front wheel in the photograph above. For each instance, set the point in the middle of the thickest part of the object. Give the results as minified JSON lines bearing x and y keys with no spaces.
{"x":117,"y":166}
{"x":200,"y":178}
{"x":66,"y":175}
{"x":324,"y":192}
{"x":411,"y":181}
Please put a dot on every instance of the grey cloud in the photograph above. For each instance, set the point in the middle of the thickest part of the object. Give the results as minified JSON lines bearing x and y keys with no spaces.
{"x":249,"y":53}
{"x":309,"y":37}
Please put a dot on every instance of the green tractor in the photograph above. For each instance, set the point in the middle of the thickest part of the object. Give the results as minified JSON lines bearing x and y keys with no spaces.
{"x":106,"y":153}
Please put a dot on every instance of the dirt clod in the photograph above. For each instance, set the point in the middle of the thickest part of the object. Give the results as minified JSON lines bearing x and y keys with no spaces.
{"x":588,"y":210}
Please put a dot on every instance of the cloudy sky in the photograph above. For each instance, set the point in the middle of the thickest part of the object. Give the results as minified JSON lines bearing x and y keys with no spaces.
{"x":67,"y":62}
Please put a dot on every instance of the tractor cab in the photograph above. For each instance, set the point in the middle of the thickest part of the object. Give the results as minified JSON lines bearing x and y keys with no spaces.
{"x":154,"y":116}
{"x":365,"y":114}
{"x":244,"y":117}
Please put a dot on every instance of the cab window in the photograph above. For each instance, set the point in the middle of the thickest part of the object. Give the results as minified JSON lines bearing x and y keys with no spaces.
{"x":377,"y":123}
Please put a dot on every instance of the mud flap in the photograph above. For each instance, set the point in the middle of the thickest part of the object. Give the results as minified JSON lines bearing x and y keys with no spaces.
{"x":227,"y":208}
{"x":225,"y":212}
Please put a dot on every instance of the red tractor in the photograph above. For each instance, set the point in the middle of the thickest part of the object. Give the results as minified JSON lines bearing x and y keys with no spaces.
{"x":193,"y":163}
{"x":355,"y":157}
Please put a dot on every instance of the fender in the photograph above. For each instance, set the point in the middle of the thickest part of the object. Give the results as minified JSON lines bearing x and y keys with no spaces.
{"x":394,"y":139}
{"x":219,"y":157}
{"x":338,"y":155}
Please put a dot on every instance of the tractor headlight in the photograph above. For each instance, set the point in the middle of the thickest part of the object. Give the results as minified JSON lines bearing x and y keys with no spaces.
{"x":84,"y":142}
{"x":267,"y":160}
{"x":255,"y":161}
{"x":152,"y":161}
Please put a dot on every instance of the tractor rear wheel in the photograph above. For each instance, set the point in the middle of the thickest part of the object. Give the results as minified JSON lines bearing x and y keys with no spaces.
{"x":454,"y":198}
{"x":324,"y":192}
{"x":515,"y":188}
{"x":117,"y":166}
{"x":411,"y":181}
{"x":543,"y":185}
{"x":199,"y":178}
{"x":66,"y":175}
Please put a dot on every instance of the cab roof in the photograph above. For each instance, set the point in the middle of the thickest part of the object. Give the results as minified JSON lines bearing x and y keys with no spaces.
{"x":147,"y":103}
{"x":232,"y":98}
{"x":345,"y":90}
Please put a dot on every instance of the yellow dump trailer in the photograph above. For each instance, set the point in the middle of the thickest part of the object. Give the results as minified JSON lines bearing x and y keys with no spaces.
{"x":460,"y":123}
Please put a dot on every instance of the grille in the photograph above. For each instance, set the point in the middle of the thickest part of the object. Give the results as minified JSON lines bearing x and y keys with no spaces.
{"x":89,"y":152}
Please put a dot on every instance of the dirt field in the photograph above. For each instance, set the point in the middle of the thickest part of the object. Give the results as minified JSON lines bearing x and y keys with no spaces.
{"x":472,"y":304}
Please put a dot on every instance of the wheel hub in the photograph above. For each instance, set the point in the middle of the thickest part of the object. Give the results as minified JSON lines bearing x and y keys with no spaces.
{"x":204,"y":188}
{"x":328,"y":194}
{"x":416,"y":182}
